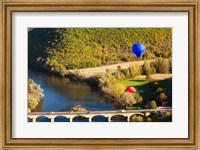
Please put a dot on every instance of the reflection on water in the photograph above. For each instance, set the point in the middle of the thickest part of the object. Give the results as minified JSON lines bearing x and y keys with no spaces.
{"x":61,"y":94}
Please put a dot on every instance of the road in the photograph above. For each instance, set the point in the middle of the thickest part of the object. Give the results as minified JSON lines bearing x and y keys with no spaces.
{"x":87,"y":72}
{"x":161,"y":109}
{"x":102,"y":69}
{"x":156,"y":76}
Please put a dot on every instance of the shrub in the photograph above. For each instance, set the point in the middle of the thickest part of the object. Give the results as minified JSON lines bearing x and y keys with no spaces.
{"x":118,"y":75}
{"x":78,"y":109}
{"x":128,"y":99}
{"x":108,"y":80}
{"x":107,"y":70}
{"x":146,"y":67}
{"x":148,"y":76}
{"x":30,"y":81}
{"x":107,"y":90}
{"x":63,"y":71}
{"x":136,"y":118}
{"x":152,"y":105}
{"x":117,"y":90}
{"x":32,"y":102}
{"x":159,"y":90}
{"x":161,"y":65}
{"x":119,"y":68}
{"x":99,"y":76}
{"x":152,"y":66}
{"x":166,"y":117}
{"x":131,"y":71}
{"x":126,"y":73}
{"x":124,"y":59}
{"x":166,"y":66}
{"x":135,"y":70}
{"x":162,"y":96}
{"x":155,"y":84}
{"x":35,"y":94}
{"x":148,"y":119}
{"x":139,"y":99}
{"x":153,"y":70}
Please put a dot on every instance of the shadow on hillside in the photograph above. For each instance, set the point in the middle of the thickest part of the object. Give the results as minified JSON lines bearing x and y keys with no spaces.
{"x":136,"y":80}
{"x":148,"y":92}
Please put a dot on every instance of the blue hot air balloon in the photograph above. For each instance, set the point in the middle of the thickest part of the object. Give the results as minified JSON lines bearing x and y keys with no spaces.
{"x":138,"y":49}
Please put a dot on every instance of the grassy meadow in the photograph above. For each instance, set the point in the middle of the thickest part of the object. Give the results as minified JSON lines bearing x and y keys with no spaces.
{"x":144,"y":87}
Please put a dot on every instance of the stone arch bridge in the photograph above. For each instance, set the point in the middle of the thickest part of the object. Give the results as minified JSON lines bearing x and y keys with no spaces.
{"x":90,"y":114}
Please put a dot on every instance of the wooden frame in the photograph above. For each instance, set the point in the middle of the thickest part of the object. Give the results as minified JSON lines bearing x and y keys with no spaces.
{"x":9,"y":6}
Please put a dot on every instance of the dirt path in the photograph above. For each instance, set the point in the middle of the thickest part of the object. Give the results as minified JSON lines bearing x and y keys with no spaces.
{"x":102,"y":69}
{"x":87,"y":72}
{"x":157,"y":76}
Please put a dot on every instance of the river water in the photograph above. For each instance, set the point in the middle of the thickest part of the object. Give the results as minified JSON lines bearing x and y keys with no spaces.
{"x":61,"y":94}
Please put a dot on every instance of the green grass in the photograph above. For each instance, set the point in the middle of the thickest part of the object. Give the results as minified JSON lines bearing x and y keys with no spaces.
{"x":134,"y":82}
{"x":142,"y":85}
{"x":149,"y":92}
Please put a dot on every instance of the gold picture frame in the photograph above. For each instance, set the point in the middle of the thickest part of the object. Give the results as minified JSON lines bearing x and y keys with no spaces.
{"x":9,"y":6}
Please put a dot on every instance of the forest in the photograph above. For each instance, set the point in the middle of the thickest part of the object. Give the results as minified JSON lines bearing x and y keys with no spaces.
{"x":57,"y":50}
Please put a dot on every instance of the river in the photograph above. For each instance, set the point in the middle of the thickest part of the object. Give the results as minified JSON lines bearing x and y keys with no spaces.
{"x":61,"y":94}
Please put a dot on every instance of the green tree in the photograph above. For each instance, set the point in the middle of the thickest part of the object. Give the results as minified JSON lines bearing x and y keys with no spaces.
{"x":136,"y":118}
{"x":161,"y":65}
{"x":117,"y":90}
{"x":146,"y":67}
{"x":126,"y":73}
{"x":148,"y":76}
{"x":152,"y":105}
{"x":128,"y":99}
{"x":148,"y":119}
{"x":162,"y":96}
{"x":35,"y":94}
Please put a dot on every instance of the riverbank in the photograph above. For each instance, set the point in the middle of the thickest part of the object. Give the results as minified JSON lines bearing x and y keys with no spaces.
{"x":112,"y":81}
{"x":61,"y":94}
{"x":74,"y":94}
{"x":35,"y":95}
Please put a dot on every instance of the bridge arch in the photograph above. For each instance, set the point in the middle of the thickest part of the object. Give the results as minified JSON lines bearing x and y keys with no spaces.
{"x":30,"y":119}
{"x":61,"y":119}
{"x":118,"y":118}
{"x":136,"y":117}
{"x":100,"y":117}
{"x":43,"y":119}
{"x":79,"y":118}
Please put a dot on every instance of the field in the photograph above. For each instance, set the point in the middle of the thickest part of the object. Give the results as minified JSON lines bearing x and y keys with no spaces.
{"x":144,"y":87}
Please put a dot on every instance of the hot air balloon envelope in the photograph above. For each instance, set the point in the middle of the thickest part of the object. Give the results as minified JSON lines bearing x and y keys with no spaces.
{"x":138,"y":49}
{"x":131,"y":89}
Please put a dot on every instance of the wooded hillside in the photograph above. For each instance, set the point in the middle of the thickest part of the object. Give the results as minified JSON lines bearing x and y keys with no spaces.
{"x":60,"y":49}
